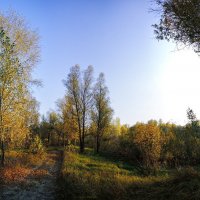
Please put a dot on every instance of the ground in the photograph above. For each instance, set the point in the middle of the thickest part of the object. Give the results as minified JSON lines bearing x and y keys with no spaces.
{"x":90,"y":176}
{"x":38,"y":181}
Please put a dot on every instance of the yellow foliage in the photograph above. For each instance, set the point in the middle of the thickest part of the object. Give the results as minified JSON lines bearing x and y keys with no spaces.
{"x":147,"y":139}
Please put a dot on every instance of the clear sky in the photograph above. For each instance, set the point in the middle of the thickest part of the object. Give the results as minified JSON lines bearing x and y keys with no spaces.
{"x":147,"y":79}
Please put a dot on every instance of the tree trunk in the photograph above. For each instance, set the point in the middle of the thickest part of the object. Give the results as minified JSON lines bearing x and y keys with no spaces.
{"x":83,"y":134}
{"x":49,"y":139}
{"x":97,"y":143}
{"x":2,"y":153}
{"x":82,"y":145}
{"x":2,"y":136}
{"x":58,"y":139}
{"x":63,"y":139}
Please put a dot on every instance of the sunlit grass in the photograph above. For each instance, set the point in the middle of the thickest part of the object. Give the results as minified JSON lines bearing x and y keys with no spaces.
{"x":23,"y":157}
{"x":90,"y":176}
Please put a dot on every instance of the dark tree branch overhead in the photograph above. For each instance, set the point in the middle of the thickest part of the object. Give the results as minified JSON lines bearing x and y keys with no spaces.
{"x":179,"y":22}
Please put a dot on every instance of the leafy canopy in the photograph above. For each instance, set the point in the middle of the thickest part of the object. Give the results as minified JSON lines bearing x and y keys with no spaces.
{"x":179,"y":22}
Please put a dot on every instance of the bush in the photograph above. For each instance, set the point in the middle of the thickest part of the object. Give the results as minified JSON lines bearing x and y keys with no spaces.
{"x":70,"y":148}
{"x":36,"y":146}
{"x":147,"y":140}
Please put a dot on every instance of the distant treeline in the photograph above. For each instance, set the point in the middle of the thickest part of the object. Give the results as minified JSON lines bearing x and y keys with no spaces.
{"x":87,"y":121}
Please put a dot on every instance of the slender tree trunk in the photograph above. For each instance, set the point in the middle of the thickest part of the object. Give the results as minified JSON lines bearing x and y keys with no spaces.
{"x":80,"y":141}
{"x":2,"y":153}
{"x":82,"y":144}
{"x":82,"y":147}
{"x":80,"y":136}
{"x":97,"y":143}
{"x":63,"y":139}
{"x":83,"y":134}
{"x":2,"y":136}
{"x":58,"y":139}
{"x":49,"y":138}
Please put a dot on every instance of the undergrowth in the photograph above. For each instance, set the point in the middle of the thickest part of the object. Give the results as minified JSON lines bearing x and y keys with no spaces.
{"x":19,"y":165}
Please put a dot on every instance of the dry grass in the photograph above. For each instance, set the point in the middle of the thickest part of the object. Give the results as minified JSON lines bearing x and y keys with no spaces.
{"x":24,"y":158}
{"x":93,"y":177}
{"x":20,"y":165}
{"x":14,"y":174}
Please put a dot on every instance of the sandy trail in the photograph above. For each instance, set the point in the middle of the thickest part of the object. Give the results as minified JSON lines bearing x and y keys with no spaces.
{"x":34,"y":188}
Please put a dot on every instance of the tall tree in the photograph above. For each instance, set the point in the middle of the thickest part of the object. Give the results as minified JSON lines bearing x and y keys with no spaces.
{"x":191,"y":116}
{"x":24,"y":122}
{"x":69,"y":127}
{"x":193,"y":125}
{"x":26,"y":40}
{"x":179,"y":21}
{"x":11,"y":86}
{"x":79,"y":91}
{"x":53,"y":121}
{"x":18,"y":54}
{"x":32,"y":115}
{"x":101,"y":112}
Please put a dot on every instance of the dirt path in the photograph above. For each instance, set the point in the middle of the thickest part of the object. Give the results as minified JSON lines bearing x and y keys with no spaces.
{"x":35,"y":187}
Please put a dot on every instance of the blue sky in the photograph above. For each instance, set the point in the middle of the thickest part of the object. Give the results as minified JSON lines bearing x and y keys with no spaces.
{"x":147,"y":79}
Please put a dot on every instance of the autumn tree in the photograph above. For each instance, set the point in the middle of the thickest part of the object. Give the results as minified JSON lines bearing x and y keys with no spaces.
{"x":49,"y":128}
{"x":68,"y":124}
{"x":147,"y":139}
{"x":53,"y":122}
{"x":44,"y":129}
{"x":101,"y":112}
{"x":79,"y":91}
{"x":32,"y":115}
{"x":179,"y":22}
{"x":25,"y":123}
{"x":192,"y":137}
{"x":18,"y":55}
{"x":25,"y":39}
{"x":192,"y":117}
{"x":124,"y":129}
{"x":115,"y":128}
{"x":10,"y":86}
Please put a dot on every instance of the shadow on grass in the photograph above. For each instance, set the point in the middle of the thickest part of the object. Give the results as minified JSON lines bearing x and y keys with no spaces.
{"x":90,"y":176}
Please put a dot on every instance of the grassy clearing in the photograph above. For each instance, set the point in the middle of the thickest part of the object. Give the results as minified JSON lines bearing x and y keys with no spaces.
{"x":89,"y":176}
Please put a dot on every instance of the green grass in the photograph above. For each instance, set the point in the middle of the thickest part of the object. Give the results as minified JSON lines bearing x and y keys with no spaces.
{"x":90,"y":176}
{"x":54,"y":148}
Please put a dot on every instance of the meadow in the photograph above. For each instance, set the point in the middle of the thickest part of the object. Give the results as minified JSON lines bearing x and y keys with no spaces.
{"x":92,"y":176}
